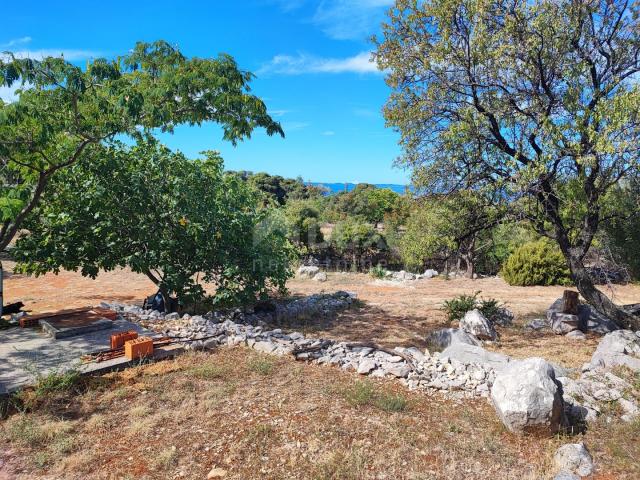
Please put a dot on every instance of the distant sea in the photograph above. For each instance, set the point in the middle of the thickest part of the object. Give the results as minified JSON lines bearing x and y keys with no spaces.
{"x":341,"y":187}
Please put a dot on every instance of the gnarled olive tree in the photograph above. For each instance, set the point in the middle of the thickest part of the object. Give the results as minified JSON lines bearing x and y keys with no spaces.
{"x":525,"y":98}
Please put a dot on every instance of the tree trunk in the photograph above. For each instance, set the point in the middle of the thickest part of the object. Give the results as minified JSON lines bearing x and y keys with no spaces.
{"x":1,"y":289}
{"x":595,"y":297}
{"x":570,"y":302}
{"x":166,"y":297}
{"x":468,"y":261}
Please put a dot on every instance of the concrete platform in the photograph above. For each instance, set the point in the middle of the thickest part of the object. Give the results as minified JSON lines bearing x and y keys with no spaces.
{"x":26,"y":353}
{"x":57,"y":329}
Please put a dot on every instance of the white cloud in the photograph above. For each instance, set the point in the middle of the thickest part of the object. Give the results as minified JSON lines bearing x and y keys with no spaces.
{"x":341,"y":19}
{"x":278,"y":113}
{"x":303,"y":63}
{"x":350,"y":19}
{"x":16,"y":41}
{"x":328,"y":133}
{"x":292,"y":126}
{"x":36,"y":54}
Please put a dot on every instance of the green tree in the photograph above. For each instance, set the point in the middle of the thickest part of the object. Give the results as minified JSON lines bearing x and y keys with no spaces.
{"x":366,"y":201}
{"x":442,"y":229}
{"x":63,"y":109}
{"x":303,"y":225}
{"x":180,"y":222}
{"x":355,"y":238}
{"x":622,"y":225}
{"x":521,"y":98}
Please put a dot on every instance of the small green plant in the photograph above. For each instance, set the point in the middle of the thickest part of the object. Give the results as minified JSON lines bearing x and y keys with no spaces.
{"x":457,"y":307}
{"x":261,"y":364}
{"x":489,"y":307}
{"x":208,"y":371}
{"x":361,"y":393}
{"x":378,"y":272}
{"x":57,"y":382}
{"x":536,"y":263}
{"x":391,"y":402}
{"x":364,"y":393}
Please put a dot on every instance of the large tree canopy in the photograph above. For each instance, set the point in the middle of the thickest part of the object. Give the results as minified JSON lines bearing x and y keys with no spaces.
{"x":63,"y":109}
{"x":181,"y":222}
{"x":538,"y":100}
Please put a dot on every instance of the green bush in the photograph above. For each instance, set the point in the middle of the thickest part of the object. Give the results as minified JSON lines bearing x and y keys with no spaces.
{"x":456,"y":307}
{"x":536,"y":263}
{"x":378,"y":271}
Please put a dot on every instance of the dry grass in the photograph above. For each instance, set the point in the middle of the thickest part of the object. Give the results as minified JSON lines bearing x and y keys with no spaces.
{"x":299,"y":421}
{"x":388,"y":313}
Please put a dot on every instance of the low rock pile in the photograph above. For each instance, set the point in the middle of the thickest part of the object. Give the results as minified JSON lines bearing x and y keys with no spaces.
{"x":404,"y":276}
{"x":529,"y":395}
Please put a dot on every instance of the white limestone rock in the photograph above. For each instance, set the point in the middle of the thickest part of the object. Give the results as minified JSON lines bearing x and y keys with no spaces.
{"x":527,"y":398}
{"x":475,"y":323}
{"x":574,"y":458}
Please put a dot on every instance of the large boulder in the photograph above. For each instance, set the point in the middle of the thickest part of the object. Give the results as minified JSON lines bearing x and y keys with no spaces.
{"x":441,"y":339}
{"x":621,"y":347}
{"x":574,"y":458}
{"x":527,"y":397}
{"x":468,"y":354}
{"x":475,"y":323}
{"x":308,"y":271}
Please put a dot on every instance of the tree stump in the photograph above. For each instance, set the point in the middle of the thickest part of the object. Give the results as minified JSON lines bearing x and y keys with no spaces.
{"x":570,"y":302}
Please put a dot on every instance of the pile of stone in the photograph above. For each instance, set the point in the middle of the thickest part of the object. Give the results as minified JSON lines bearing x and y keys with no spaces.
{"x":404,"y":276}
{"x":312,"y":272}
{"x":530,"y":395}
{"x":598,"y":385}
{"x":567,"y":316}
{"x":316,"y":306}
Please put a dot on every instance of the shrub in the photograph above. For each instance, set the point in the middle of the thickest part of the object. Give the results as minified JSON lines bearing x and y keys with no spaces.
{"x":183,"y":223}
{"x":378,"y":271}
{"x":456,"y":307}
{"x":536,"y":263}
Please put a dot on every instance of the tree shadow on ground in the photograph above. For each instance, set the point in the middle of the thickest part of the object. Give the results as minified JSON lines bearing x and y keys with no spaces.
{"x":363,"y":322}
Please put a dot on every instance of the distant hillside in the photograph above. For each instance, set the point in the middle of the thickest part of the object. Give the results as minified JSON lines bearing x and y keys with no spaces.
{"x":341,"y":187}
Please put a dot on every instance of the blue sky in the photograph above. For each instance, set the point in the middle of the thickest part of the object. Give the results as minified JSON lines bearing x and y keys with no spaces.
{"x":311,"y":59}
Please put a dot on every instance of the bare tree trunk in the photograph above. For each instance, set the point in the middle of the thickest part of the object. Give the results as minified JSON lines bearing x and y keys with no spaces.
{"x":1,"y":289}
{"x":595,"y":297}
{"x":469,"y":264}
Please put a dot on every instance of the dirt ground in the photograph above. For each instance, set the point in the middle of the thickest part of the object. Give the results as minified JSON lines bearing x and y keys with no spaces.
{"x":388,"y":313}
{"x":251,"y":416}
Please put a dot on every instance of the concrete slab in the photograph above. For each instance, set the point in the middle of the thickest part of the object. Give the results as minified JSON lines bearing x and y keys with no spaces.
{"x":26,"y":353}
{"x":57,"y":329}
